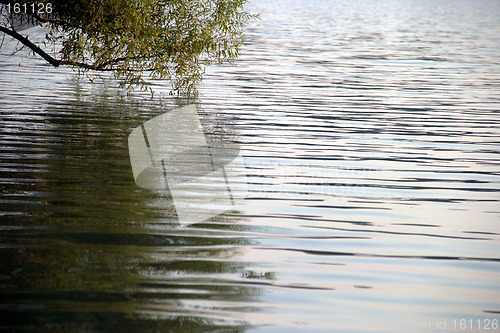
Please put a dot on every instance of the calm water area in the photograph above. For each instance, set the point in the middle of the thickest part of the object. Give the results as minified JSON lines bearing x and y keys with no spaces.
{"x":370,"y":135}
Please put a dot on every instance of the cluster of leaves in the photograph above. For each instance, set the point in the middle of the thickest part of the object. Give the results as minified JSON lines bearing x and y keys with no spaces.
{"x":167,"y":39}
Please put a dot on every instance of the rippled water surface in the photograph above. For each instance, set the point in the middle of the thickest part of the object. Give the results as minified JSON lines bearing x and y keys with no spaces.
{"x":370,"y":132}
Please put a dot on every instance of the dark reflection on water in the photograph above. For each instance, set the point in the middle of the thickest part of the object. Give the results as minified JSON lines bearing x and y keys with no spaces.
{"x":370,"y":137}
{"x":83,"y":247}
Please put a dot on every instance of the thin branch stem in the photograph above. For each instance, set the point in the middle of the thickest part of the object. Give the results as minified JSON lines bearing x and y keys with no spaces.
{"x":55,"y":62}
{"x":25,"y":41}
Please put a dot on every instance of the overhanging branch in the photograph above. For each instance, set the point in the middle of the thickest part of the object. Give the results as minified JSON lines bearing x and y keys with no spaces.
{"x":56,"y":63}
{"x":28,"y":43}
{"x":86,"y":66}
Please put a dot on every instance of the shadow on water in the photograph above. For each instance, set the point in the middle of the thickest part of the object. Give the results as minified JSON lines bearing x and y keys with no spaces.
{"x":83,"y":247}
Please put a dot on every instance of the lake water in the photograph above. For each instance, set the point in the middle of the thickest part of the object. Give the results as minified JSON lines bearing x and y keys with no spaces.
{"x":370,"y":133}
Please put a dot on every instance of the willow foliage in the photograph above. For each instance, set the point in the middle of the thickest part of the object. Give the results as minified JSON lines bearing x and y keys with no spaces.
{"x":165,"y":39}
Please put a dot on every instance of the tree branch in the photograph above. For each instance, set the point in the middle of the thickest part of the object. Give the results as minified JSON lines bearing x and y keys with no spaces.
{"x":28,"y":43}
{"x":84,"y":65}
{"x":56,"y":63}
